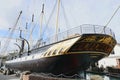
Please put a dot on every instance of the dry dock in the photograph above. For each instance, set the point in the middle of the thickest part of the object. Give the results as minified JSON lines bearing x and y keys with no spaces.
{"x":32,"y":77}
{"x":44,"y":77}
{"x":8,"y":77}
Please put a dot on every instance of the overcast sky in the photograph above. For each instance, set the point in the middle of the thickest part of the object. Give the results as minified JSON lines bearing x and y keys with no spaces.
{"x":77,"y":12}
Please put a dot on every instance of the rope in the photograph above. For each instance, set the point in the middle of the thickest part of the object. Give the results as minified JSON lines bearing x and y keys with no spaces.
{"x":64,"y":14}
{"x":111,"y":18}
{"x":49,"y":18}
{"x":5,"y":47}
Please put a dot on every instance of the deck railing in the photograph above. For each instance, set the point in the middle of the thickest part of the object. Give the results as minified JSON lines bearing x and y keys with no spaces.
{"x":82,"y":29}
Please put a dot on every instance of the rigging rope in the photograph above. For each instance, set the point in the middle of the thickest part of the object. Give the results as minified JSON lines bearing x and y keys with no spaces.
{"x":111,"y":18}
{"x":49,"y":18}
{"x":31,"y":30}
{"x":7,"y":42}
{"x":64,"y":14}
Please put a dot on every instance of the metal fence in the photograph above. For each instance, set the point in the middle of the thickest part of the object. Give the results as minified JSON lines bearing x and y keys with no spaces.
{"x":82,"y":29}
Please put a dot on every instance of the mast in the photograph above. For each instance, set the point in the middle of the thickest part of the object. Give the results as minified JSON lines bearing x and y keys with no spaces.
{"x":57,"y":18}
{"x":31,"y":31}
{"x":26,"y":29}
{"x":10,"y":35}
{"x":41,"y":21}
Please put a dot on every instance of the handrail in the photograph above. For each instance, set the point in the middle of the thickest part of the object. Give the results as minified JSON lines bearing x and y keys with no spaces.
{"x":82,"y":29}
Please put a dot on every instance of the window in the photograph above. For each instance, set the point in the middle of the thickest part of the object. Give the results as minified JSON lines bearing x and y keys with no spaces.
{"x":49,"y":53}
{"x":55,"y":51}
{"x":60,"y":51}
{"x":44,"y":54}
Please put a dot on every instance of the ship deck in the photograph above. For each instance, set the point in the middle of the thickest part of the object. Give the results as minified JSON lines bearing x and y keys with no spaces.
{"x":77,"y":31}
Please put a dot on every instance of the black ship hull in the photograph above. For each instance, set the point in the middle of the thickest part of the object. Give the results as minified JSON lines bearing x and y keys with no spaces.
{"x":66,"y":57}
{"x":67,"y":64}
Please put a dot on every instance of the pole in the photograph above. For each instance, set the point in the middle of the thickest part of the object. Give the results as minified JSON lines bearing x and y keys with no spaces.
{"x":42,"y":13}
{"x":57,"y":17}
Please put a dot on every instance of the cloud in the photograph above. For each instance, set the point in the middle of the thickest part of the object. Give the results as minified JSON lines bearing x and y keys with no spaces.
{"x":3,"y":23}
{"x":77,"y":12}
{"x":8,"y":9}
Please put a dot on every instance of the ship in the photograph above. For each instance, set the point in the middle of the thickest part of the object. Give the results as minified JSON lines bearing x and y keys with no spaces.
{"x":68,"y":53}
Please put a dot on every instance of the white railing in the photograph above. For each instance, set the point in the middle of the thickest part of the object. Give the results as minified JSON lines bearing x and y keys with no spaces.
{"x":82,"y":29}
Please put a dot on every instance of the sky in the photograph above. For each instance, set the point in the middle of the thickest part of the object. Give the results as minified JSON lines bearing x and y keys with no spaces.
{"x":72,"y":13}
